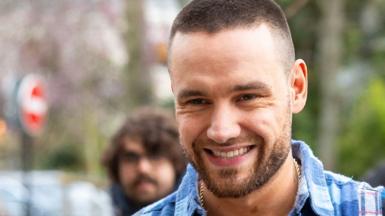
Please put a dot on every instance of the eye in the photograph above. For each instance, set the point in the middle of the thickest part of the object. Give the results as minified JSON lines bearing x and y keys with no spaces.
{"x":130,"y":157}
{"x":197,"y":101}
{"x":155,"y":157}
{"x":247,"y":97}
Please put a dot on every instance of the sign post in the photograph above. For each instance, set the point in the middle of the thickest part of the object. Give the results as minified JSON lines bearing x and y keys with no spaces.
{"x":27,"y":160}
{"x":31,"y":109}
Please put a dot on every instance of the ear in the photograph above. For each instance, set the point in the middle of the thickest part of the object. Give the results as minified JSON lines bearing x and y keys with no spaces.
{"x":298,"y":85}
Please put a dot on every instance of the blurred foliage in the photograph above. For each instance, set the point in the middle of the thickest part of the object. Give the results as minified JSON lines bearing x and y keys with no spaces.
{"x":139,"y":92}
{"x":66,"y":156}
{"x":362,"y":143}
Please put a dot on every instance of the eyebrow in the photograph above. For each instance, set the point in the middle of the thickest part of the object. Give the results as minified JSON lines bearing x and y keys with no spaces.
{"x":244,"y":87}
{"x":189,"y":93}
{"x":252,"y":86}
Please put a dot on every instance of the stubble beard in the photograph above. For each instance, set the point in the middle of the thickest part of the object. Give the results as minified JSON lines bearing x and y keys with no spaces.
{"x":226,"y":184}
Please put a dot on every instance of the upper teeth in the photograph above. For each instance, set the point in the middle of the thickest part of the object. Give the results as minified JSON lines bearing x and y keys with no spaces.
{"x":230,"y":154}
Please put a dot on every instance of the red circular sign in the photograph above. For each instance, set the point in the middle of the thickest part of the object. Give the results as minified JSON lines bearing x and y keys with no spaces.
{"x":32,"y":104}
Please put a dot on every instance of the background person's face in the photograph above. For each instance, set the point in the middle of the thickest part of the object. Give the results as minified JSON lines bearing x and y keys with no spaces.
{"x":145,"y":178}
{"x":232,"y":107}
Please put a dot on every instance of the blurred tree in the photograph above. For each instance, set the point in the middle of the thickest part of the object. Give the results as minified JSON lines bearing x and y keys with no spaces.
{"x":362,"y":142}
{"x":77,"y":47}
{"x":362,"y":139}
{"x":359,"y":59}
{"x":329,"y":60}
{"x":139,"y":90}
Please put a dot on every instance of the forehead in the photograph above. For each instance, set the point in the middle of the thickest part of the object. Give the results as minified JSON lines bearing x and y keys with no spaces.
{"x":133,"y":144}
{"x":240,"y":50}
{"x":233,"y":39}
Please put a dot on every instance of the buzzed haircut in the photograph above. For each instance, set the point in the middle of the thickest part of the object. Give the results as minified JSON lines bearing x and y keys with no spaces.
{"x":212,"y":16}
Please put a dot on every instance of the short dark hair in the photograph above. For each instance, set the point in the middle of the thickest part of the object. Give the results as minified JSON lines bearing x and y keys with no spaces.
{"x":156,"y":131}
{"x":212,"y":16}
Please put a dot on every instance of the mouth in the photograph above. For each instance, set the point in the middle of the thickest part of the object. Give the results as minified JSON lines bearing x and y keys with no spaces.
{"x":228,"y":156}
{"x":229,"y":153}
{"x":144,"y":187}
{"x":144,"y":179}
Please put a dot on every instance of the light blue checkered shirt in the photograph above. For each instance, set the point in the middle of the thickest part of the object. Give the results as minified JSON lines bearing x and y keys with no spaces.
{"x":320,"y":192}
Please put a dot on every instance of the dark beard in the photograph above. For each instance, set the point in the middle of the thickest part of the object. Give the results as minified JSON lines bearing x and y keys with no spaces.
{"x":258,"y":175}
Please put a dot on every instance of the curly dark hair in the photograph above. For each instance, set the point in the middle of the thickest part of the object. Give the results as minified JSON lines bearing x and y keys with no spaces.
{"x":159,"y":136}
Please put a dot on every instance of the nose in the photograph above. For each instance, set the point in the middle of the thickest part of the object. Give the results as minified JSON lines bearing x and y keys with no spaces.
{"x":144,"y":165}
{"x":224,"y":125}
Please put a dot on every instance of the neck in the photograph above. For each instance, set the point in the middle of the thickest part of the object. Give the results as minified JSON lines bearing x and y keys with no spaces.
{"x":276,"y":197}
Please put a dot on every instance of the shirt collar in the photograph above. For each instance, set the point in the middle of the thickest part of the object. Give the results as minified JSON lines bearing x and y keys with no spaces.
{"x":312,"y":183}
{"x":187,"y":195}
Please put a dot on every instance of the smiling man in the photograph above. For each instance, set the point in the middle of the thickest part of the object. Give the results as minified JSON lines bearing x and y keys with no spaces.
{"x":237,"y":84}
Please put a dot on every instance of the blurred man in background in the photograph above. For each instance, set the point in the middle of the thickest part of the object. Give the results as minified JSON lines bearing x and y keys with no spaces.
{"x":144,"y":161}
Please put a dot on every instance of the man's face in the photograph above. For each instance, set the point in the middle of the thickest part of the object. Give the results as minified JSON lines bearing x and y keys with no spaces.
{"x":144,"y":178}
{"x":232,"y":107}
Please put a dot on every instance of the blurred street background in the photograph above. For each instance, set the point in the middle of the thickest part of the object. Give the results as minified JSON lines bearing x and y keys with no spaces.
{"x":97,"y":60}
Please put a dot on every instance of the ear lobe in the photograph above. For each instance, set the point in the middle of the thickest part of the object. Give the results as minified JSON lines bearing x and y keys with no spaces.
{"x":298,"y":85}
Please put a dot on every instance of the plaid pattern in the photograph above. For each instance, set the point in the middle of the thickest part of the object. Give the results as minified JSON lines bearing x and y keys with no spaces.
{"x":320,"y":192}
{"x":370,"y":201}
{"x":383,"y":202}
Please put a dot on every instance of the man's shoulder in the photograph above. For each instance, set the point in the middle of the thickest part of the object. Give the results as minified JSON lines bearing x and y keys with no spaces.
{"x":371,"y":199}
{"x":348,"y":187}
{"x":347,"y":193}
{"x":165,"y":206}
{"x":340,"y":180}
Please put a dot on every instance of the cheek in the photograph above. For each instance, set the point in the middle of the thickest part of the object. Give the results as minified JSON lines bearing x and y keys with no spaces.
{"x":189,"y":130}
{"x":165,"y":174}
{"x":264,"y":123}
{"x":126,"y":174}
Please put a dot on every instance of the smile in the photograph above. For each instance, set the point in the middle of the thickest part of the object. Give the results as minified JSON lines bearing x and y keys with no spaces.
{"x":227,"y":154}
